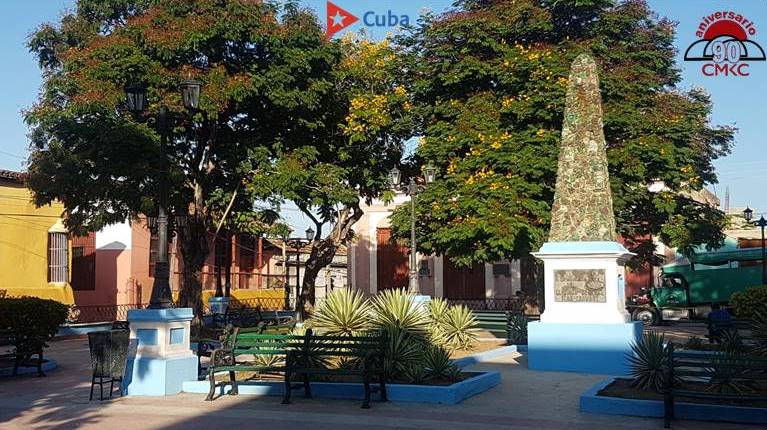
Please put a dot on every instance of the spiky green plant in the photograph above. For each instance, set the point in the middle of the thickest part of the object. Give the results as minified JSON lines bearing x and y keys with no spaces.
{"x":344,"y":312}
{"x":402,"y":350}
{"x":459,"y":329}
{"x":648,"y":363}
{"x":437,"y":308}
{"x":398,"y":309}
{"x":729,"y":375}
{"x":437,"y":362}
{"x":517,"y":327}
{"x":759,"y":331}
{"x":414,"y":373}
{"x":694,"y":343}
{"x":730,"y":341}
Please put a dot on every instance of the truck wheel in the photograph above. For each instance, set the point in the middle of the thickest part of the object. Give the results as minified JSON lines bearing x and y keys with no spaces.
{"x":647,"y":316}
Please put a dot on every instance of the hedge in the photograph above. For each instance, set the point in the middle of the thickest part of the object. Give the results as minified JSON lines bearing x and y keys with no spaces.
{"x":745,"y":303}
{"x":33,"y":320}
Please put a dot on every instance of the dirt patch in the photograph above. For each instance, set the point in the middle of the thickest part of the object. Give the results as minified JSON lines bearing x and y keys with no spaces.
{"x":623,"y":389}
{"x":479,"y":347}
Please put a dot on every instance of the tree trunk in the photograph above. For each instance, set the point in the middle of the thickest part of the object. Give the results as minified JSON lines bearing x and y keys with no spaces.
{"x":322,"y":254}
{"x":531,"y":276}
{"x":323,"y":251}
{"x":194,"y":251}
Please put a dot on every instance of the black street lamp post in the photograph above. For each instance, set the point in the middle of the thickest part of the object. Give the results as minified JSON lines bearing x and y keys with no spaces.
{"x":297,"y":243}
{"x":136,"y":101}
{"x":412,"y":189}
{"x":761,"y":223}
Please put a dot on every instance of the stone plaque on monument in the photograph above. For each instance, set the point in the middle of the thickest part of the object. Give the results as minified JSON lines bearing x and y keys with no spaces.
{"x":580,"y":286}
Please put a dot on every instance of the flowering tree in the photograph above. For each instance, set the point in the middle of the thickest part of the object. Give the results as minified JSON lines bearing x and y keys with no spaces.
{"x":263,"y":72}
{"x":489,"y":80}
{"x":328,"y":165}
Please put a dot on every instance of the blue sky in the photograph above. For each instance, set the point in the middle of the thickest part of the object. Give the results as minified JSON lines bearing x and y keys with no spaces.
{"x":738,"y":101}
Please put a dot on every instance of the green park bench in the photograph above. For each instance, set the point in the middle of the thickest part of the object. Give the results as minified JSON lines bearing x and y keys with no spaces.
{"x":722,"y":377}
{"x":300,"y":357}
{"x":22,"y":357}
{"x":360,"y":356}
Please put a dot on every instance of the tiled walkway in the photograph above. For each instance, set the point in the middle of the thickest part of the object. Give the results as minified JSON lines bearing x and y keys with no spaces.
{"x":525,"y":400}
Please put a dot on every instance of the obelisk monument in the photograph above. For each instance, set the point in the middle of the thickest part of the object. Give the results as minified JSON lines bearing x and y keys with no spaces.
{"x":585,"y":325}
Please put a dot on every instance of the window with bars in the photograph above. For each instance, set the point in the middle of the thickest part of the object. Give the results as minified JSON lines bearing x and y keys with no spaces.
{"x":58,"y":258}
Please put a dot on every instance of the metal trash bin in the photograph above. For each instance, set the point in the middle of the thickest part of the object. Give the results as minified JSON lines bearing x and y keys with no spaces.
{"x":109,"y":354}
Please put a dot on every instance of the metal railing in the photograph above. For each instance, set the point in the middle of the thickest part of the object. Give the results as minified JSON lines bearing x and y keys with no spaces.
{"x":511,"y":304}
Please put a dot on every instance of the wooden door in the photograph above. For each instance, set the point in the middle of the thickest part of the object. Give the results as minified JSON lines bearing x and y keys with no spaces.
{"x":392,"y":261}
{"x":84,"y":262}
{"x":463,"y":283}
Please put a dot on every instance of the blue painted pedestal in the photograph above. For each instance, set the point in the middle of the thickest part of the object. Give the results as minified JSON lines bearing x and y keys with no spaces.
{"x":159,"y":359}
{"x":585,"y":348}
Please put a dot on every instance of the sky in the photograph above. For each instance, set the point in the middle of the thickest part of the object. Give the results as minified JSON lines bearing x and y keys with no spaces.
{"x":738,"y":101}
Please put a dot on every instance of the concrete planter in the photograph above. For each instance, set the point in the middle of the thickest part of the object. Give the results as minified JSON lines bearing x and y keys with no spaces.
{"x":590,"y":402}
{"x":447,"y":394}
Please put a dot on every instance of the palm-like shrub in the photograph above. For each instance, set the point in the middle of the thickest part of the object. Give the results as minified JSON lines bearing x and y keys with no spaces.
{"x":403,"y":350}
{"x":437,"y":362}
{"x":759,"y":331}
{"x":648,"y":364}
{"x":459,"y":329}
{"x":517,"y":326}
{"x":729,"y":376}
{"x":345,"y":312}
{"x":397,"y":309}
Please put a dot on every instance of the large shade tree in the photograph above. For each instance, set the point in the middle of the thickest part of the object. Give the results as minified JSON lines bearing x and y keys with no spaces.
{"x":489,"y":81}
{"x":262,"y":69}
{"x":328,"y":166}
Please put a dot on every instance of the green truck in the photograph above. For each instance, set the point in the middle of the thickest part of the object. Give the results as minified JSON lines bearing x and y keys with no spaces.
{"x":689,"y":290}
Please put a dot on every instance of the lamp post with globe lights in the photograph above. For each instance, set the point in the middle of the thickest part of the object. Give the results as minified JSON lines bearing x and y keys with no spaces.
{"x":136,"y":103}
{"x":412,"y":189}
{"x":748,"y":214}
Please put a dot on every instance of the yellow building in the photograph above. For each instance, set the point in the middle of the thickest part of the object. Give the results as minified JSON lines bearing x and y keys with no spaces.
{"x":34,"y":244}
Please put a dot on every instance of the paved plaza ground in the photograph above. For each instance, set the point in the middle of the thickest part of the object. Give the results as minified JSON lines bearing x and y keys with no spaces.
{"x":525,"y":400}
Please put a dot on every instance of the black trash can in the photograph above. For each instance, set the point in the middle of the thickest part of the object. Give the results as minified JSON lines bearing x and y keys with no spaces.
{"x":109,"y":353}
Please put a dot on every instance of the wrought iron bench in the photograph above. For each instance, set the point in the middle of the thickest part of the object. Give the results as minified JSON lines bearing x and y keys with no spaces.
{"x":361,"y":356}
{"x":723,"y":377}
{"x":22,"y":352}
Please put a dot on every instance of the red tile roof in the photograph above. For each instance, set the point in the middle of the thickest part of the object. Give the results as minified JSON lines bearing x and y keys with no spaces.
{"x":12,"y":176}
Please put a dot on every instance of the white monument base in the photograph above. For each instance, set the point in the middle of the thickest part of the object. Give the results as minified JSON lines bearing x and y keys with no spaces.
{"x":585,"y":326}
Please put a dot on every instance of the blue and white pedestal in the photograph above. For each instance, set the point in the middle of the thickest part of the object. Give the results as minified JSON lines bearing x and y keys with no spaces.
{"x":585,"y":326}
{"x":159,"y":359}
{"x":583,"y":348}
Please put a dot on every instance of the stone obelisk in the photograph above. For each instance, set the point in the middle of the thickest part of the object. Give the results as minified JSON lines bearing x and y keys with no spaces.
{"x":585,"y":326}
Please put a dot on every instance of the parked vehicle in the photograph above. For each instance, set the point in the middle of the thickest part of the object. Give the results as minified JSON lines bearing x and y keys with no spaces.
{"x":688,"y":290}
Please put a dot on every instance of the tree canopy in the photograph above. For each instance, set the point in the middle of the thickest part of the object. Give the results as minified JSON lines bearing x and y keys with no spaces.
{"x":488,"y":81}
{"x":264,"y":70}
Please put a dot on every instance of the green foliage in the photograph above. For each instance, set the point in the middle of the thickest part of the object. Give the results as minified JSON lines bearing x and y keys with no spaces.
{"x":343,"y":312}
{"x":458,"y":329}
{"x":396,"y":310}
{"x":729,"y":375}
{"x":415,"y":373}
{"x":403,"y":351}
{"x":730,"y":341}
{"x":648,"y":363}
{"x":746,"y":303}
{"x":517,"y":326}
{"x":759,"y":331}
{"x":269,"y":77}
{"x":488,"y":87}
{"x":437,"y":362}
{"x":34,"y":320}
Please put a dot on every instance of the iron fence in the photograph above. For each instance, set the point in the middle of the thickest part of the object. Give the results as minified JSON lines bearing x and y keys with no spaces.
{"x":511,"y":304}
{"x":100,"y":313}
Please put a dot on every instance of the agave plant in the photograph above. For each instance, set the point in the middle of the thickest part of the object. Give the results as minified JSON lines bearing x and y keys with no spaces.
{"x":648,"y":364}
{"x":345,"y":312}
{"x":414,"y":373}
{"x":517,"y":327}
{"x":729,"y":376}
{"x":694,"y":343}
{"x":437,"y":308}
{"x":437,"y":362}
{"x":730,"y":341}
{"x":459,"y":329}
{"x":397,"y":309}
{"x":402,"y":350}
{"x":759,"y":331}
